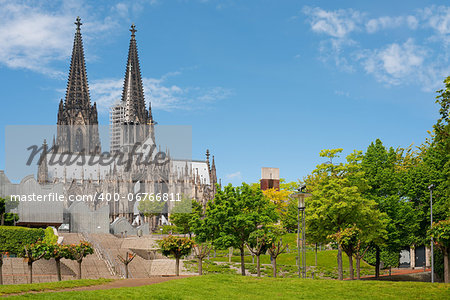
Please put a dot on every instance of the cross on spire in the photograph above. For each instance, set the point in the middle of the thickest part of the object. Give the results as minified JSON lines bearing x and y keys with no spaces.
{"x":78,"y":23}
{"x":133,"y":30}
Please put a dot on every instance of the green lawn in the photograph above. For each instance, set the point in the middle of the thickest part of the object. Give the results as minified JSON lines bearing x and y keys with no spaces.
{"x":326,"y":263}
{"x":238,"y":287}
{"x":20,"y":288}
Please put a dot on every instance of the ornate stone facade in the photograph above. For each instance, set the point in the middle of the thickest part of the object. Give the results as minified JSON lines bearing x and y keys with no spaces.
{"x":193,"y":179}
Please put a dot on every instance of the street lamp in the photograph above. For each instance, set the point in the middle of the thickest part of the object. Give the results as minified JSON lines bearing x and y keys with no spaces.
{"x":431,"y":187}
{"x":301,"y":196}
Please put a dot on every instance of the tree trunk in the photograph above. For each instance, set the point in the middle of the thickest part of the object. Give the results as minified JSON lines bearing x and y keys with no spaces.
{"x":350,"y":267}
{"x":339,"y":261}
{"x":79,"y":269}
{"x":200,"y":266}
{"x":30,"y":272}
{"x":58,"y":268}
{"x":358,"y":268}
{"x":446,"y":265}
{"x":258,"y":266}
{"x":377,"y":262}
{"x":177,"y":266}
{"x":242,"y":261}
{"x":230,"y":254}
{"x":274,"y":266}
{"x":1,"y":268}
{"x":126,"y":271}
{"x":3,"y":219}
{"x":316,"y":255}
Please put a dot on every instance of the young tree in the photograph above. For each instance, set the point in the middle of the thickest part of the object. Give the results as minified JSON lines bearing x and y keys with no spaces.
{"x":78,"y":252}
{"x":176,"y":246}
{"x":276,"y":246}
{"x":1,"y":268}
{"x":201,"y":250}
{"x":57,"y":252}
{"x":152,"y":208}
{"x":183,"y":213}
{"x":233,"y":215}
{"x":440,"y":231}
{"x":32,"y":253}
{"x":258,"y":243}
{"x":126,"y":261}
{"x":337,"y":202}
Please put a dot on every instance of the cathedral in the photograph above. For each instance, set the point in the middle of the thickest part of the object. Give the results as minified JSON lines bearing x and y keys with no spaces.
{"x":132,"y":137}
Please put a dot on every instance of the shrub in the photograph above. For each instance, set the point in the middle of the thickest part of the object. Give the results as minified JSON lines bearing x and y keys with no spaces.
{"x":13,"y":238}
{"x":50,"y":236}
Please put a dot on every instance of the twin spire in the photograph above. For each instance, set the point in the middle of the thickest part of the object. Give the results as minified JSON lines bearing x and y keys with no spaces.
{"x":78,"y":96}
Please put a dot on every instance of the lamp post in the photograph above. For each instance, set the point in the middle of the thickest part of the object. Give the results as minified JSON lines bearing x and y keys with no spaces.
{"x":301,"y":196}
{"x":431,"y":187}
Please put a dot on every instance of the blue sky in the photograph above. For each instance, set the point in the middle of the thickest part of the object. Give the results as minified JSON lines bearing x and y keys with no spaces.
{"x":262,"y":83}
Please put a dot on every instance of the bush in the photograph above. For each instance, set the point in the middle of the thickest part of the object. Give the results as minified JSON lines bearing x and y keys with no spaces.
{"x":13,"y":238}
{"x":50,"y":236}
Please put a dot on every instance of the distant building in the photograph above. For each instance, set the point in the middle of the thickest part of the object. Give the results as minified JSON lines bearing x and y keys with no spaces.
{"x":270,"y":178}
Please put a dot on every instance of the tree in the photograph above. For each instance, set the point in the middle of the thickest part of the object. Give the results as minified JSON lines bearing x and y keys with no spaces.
{"x":233,"y":215}
{"x":32,"y":253}
{"x":151,"y":208}
{"x":6,"y":205}
{"x":258,"y":243}
{"x":78,"y":252}
{"x":57,"y":252}
{"x":337,"y":202}
{"x":1,"y":268}
{"x":126,"y":261}
{"x":276,"y":246}
{"x":183,"y":213}
{"x":201,"y":250}
{"x":176,"y":246}
{"x":440,"y":232}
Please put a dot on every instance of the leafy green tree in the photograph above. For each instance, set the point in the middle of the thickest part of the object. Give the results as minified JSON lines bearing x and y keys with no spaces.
{"x":258,"y":243}
{"x":440,"y":231}
{"x":32,"y":253}
{"x":151,"y":208}
{"x":386,"y":171}
{"x":276,"y":246}
{"x":57,"y":252}
{"x":183,"y":213}
{"x":233,"y":215}
{"x":337,"y":201}
{"x":7,"y":218}
{"x":176,"y":246}
{"x":78,"y":252}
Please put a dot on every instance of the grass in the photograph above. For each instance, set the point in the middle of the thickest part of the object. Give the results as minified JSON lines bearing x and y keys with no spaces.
{"x":238,"y":287}
{"x":286,"y":262}
{"x":36,"y":287}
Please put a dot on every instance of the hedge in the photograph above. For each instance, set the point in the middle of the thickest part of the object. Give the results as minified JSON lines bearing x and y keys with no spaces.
{"x":50,"y":236}
{"x":13,"y":238}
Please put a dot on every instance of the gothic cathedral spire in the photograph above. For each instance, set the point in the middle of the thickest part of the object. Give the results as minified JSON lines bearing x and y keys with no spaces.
{"x":77,"y":118}
{"x":77,"y":94}
{"x":133,"y":91}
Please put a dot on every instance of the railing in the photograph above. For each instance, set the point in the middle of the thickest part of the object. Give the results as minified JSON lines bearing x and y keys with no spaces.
{"x":114,"y":267}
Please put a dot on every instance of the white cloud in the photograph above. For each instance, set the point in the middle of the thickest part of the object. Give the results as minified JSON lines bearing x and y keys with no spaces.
{"x":159,"y":92}
{"x":438,"y":18}
{"x":35,"y":35}
{"x":422,"y":61}
{"x":338,"y":23}
{"x":235,"y":175}
{"x":395,"y":63}
{"x":385,"y":22}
